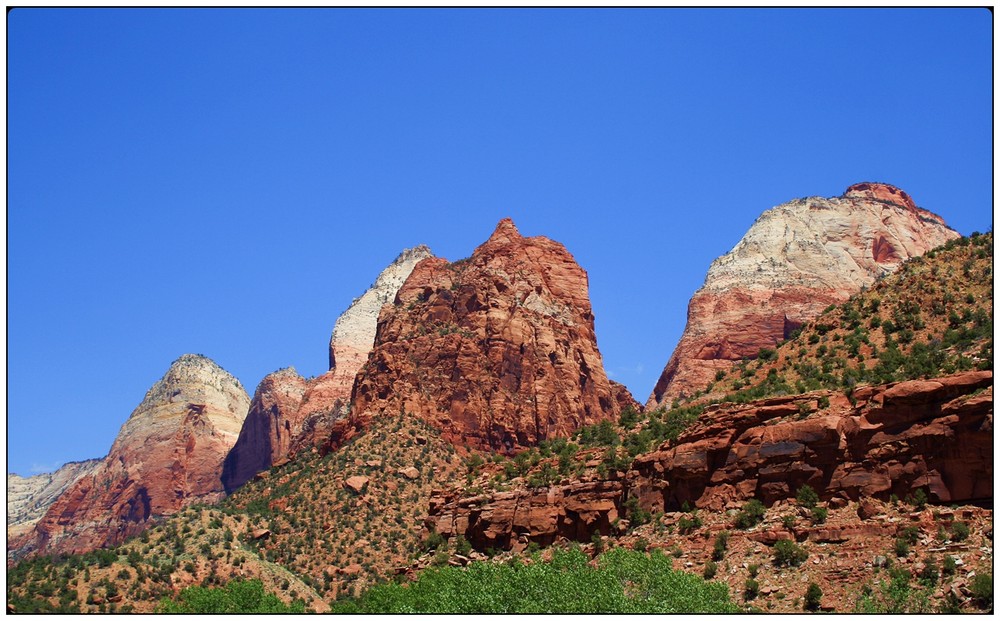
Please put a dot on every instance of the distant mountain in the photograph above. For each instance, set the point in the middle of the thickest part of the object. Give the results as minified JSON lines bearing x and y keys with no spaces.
{"x":28,"y":498}
{"x":795,"y":260}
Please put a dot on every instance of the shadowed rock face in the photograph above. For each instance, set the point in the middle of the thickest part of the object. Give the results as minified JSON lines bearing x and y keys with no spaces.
{"x":935,"y":435}
{"x":497,"y":350}
{"x":168,"y":454}
{"x":289,"y":413}
{"x":797,"y":259}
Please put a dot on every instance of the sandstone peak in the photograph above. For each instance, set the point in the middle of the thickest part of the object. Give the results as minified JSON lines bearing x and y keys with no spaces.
{"x":354,"y":331}
{"x":167,"y":455}
{"x":288,"y":413}
{"x":882,"y":192}
{"x":505,"y":233}
{"x":497,"y":350}
{"x":796,"y":259}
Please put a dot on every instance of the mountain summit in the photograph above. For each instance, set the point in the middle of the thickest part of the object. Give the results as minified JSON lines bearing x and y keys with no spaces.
{"x":796,"y":259}
{"x":496,"y":350}
{"x":167,"y":455}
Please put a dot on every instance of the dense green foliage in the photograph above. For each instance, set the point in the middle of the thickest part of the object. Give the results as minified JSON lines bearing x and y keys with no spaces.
{"x":895,"y":596}
{"x":624,"y":581}
{"x":239,"y":596}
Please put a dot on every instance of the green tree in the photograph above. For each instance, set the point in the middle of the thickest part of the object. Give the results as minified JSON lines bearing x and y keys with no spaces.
{"x":239,"y":596}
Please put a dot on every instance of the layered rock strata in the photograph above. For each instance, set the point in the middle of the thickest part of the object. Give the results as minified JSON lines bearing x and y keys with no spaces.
{"x":935,"y":435}
{"x":796,"y":259}
{"x":354,"y":332}
{"x":497,"y":350}
{"x":28,"y":498}
{"x":289,"y":413}
{"x":167,"y":455}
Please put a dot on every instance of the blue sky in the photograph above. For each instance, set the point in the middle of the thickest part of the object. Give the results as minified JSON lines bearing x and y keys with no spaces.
{"x":226,"y":181}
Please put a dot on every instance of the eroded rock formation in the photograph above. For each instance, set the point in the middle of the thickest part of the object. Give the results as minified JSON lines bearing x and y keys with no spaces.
{"x":289,"y":413}
{"x":935,"y":435}
{"x":28,"y":498}
{"x":168,"y":454}
{"x":796,"y":259}
{"x":496,"y":350}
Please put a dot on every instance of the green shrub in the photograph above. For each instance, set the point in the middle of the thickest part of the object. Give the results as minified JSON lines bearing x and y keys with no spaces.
{"x":720,"y":545}
{"x":751,"y":588}
{"x":929,"y":575}
{"x":710,"y":569}
{"x":751,"y":513}
{"x":949,"y":566}
{"x":686,"y":525}
{"x":959,"y":531}
{"x":807,"y":497}
{"x":982,"y":591}
{"x":819,"y":515}
{"x":901,"y":547}
{"x":568,"y":584}
{"x":238,"y":596}
{"x":813,"y":596}
{"x":788,"y":554}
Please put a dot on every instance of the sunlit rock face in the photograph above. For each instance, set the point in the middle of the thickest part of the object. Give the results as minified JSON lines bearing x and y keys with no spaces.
{"x":168,"y":454}
{"x":796,"y":259}
{"x":497,"y":350}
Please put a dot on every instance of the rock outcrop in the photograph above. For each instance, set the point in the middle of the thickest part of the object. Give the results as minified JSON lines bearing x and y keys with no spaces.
{"x":935,"y":435}
{"x":931,"y":434}
{"x":289,"y":413}
{"x":497,"y":350}
{"x":510,"y":520}
{"x":797,"y":259}
{"x":167,"y":455}
{"x":28,"y":498}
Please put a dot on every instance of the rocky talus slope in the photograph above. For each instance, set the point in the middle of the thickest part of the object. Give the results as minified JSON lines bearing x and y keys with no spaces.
{"x":795,"y":260}
{"x":289,"y":413}
{"x":168,"y":454}
{"x":28,"y":498}
{"x":497,"y":350}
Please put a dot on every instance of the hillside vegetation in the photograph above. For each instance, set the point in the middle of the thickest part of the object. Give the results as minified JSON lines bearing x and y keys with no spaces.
{"x":340,"y":530}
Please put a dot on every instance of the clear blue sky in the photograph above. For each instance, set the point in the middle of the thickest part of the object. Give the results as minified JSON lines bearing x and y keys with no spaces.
{"x":226,"y":181}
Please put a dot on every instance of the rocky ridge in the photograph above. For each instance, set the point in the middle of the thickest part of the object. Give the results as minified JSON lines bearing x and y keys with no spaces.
{"x":28,"y":498}
{"x":935,"y":436}
{"x":288,"y":413}
{"x":168,"y":454}
{"x":497,"y":350}
{"x":795,"y":260}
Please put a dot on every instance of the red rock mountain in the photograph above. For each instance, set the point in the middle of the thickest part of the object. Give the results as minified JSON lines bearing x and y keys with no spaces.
{"x":496,"y":350}
{"x":288,"y":413}
{"x":796,"y":259}
{"x":167,"y":455}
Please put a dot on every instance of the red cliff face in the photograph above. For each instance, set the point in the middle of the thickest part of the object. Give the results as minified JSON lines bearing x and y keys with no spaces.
{"x":497,"y":350}
{"x":935,"y":435}
{"x":268,"y":430}
{"x":168,"y":454}
{"x":796,"y":259}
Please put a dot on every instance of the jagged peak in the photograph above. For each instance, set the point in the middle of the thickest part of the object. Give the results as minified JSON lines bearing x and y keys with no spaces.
{"x":420,"y":251}
{"x":882,"y":192}
{"x":505,"y":232}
